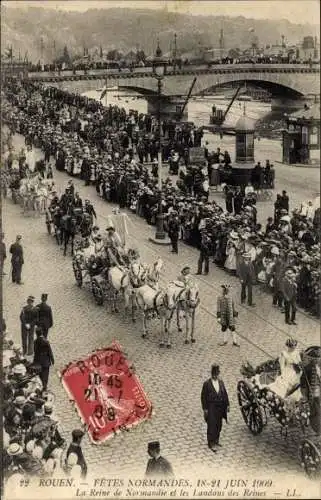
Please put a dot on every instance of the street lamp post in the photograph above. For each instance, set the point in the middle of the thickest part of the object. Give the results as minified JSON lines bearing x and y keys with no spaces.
{"x":159,"y":69}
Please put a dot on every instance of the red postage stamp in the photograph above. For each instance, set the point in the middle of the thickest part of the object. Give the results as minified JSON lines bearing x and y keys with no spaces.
{"x":107,"y":393}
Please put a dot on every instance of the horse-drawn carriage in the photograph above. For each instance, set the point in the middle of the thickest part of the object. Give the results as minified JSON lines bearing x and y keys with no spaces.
{"x":300,"y":408}
{"x":108,"y":281}
{"x":89,"y":269}
{"x":67,"y":226}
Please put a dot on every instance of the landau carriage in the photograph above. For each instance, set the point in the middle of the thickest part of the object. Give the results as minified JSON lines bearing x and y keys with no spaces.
{"x":299,"y":408}
{"x":116,"y":275}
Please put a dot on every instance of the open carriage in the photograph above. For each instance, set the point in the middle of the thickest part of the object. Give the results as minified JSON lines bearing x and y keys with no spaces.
{"x":89,"y":269}
{"x":300,"y":408}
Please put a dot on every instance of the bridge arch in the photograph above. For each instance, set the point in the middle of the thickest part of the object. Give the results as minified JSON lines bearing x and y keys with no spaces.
{"x":275,"y":89}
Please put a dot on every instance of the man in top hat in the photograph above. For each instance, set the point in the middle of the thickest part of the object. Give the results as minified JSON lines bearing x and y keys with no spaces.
{"x":17,"y":261}
{"x":157,"y":465}
{"x":247,"y":277}
{"x":226,"y":314}
{"x":216,"y":405}
{"x":75,"y":447}
{"x":28,"y":319}
{"x":45,"y":319}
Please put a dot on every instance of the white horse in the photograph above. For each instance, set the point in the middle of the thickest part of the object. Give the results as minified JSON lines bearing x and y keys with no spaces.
{"x":140,"y":274}
{"x":123,"y":280}
{"x":159,"y":303}
{"x":187,"y":303}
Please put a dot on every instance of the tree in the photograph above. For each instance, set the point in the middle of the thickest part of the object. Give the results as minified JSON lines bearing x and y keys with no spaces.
{"x":114,"y":55}
{"x":101,"y":52}
{"x":234,"y":53}
{"x":140,"y":56}
{"x":65,"y":56}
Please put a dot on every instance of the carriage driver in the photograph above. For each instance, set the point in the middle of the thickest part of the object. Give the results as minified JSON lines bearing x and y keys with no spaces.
{"x":89,"y":209}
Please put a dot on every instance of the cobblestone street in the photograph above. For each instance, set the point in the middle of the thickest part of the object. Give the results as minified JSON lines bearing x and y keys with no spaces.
{"x":171,"y":378}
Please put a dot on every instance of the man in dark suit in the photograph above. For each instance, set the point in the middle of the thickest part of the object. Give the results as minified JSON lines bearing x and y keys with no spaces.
{"x":285,"y":201}
{"x":157,"y":465}
{"x":28,"y":319}
{"x":216,"y":405}
{"x":205,"y":252}
{"x":74,"y":447}
{"x":43,"y":356}
{"x":173,"y":231}
{"x":17,"y":260}
{"x":45,"y":320}
{"x":247,"y":277}
{"x":289,"y":289}
{"x":3,"y":254}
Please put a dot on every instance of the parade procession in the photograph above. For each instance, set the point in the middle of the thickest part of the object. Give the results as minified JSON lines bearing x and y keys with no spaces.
{"x":160,"y":294}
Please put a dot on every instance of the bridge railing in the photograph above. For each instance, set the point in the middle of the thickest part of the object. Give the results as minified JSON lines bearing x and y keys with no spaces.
{"x":171,"y":71}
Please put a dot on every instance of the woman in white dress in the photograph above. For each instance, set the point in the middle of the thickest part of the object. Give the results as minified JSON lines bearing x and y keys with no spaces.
{"x":230,"y":262}
{"x":291,"y":370}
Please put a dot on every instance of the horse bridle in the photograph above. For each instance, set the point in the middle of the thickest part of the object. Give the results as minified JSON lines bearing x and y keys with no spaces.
{"x":189,"y":303}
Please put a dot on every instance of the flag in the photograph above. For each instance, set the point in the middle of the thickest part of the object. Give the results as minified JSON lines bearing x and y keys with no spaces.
{"x":104,"y":92}
{"x":120,"y":223}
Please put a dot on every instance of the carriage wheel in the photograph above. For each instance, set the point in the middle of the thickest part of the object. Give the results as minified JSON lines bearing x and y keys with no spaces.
{"x":250,"y":409}
{"x":310,"y":458}
{"x":97,"y":293}
{"x":77,"y":273}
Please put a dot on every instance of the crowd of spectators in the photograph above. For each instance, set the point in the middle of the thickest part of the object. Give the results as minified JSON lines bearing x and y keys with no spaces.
{"x":107,"y":147}
{"x":33,"y":444}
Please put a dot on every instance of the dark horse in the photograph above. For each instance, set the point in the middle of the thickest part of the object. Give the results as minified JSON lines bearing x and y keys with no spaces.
{"x":68,"y":228}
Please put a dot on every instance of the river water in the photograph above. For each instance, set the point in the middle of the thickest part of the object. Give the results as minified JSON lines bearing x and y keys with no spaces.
{"x":199,"y":110}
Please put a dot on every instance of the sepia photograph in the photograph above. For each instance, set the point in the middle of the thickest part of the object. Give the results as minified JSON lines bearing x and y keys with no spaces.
{"x":160,"y":249}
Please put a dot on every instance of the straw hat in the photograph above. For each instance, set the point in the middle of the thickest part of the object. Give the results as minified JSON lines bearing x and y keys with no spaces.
{"x":234,"y":235}
{"x":14,"y":449}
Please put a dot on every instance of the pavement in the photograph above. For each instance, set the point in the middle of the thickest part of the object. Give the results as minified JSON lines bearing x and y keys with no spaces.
{"x":172,"y":378}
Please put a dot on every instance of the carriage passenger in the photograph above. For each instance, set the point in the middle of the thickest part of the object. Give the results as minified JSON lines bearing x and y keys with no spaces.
{"x":54,"y":202}
{"x":287,"y":383}
{"x":93,"y":235}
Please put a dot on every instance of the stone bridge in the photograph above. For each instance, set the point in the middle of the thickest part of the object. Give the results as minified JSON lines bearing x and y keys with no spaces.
{"x":289,"y":84}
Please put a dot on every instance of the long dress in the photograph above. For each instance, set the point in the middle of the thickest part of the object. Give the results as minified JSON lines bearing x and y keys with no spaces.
{"x":230,"y":263}
{"x":289,"y":377}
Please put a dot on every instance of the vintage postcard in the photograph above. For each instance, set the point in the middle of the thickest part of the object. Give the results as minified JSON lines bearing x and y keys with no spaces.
{"x":160,"y":249}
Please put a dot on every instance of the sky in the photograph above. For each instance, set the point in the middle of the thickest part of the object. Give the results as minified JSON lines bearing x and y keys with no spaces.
{"x":295,"y":11}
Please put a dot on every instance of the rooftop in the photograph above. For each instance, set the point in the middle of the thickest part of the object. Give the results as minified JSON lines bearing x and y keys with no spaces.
{"x":244,"y":124}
